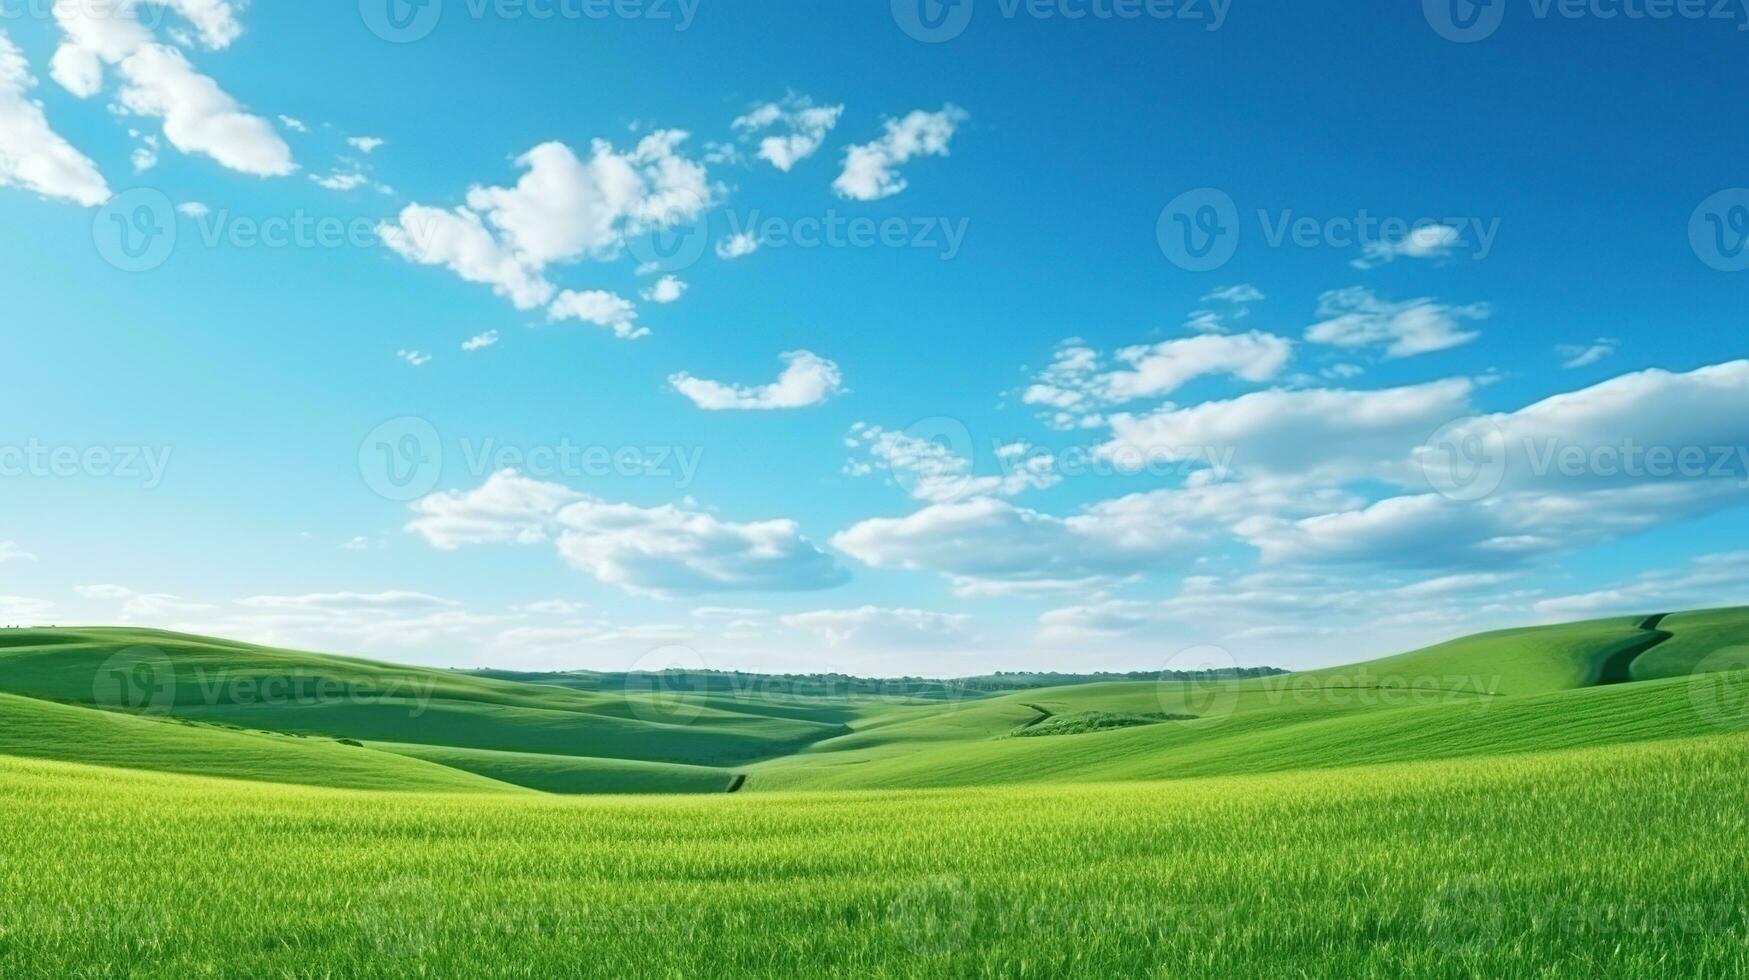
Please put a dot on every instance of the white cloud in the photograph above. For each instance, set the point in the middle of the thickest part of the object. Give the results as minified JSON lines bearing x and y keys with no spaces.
{"x":16,"y":609}
{"x":10,"y":551}
{"x":738,"y":246}
{"x":480,"y":341}
{"x":1316,"y":434}
{"x":342,"y":181}
{"x":873,"y":627}
{"x":564,"y":209}
{"x":667,"y":289}
{"x":930,"y":470}
{"x":295,"y":125}
{"x":143,"y":159}
{"x":32,"y":155}
{"x":663,"y":551}
{"x":157,"y":80}
{"x":600,"y":308}
{"x":1426,"y":242}
{"x":1238,"y":295}
{"x":807,"y":123}
{"x":460,"y":241}
{"x":365,"y":144}
{"x":193,"y":209}
{"x":1715,"y":580}
{"x":989,"y":546}
{"x":149,"y":606}
{"x":1645,"y":427}
{"x":871,"y":170}
{"x":807,"y":379}
{"x":1585,"y":355}
{"x":413,"y":357}
{"x":1355,"y":317}
{"x":1078,"y":383}
{"x":1433,"y":531}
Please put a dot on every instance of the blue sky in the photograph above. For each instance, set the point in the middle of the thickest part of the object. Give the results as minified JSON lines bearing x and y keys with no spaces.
{"x":887,"y":438}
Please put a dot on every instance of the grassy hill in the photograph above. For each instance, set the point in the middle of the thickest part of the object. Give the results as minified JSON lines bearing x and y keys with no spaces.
{"x":1553,"y":801}
{"x":223,"y":708}
{"x":1618,"y":862}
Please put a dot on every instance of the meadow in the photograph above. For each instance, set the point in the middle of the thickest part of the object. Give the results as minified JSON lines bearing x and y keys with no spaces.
{"x":1559,"y":801}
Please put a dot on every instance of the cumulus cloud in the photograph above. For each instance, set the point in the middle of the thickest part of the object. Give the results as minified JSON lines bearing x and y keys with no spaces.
{"x":1709,"y":580}
{"x":365,"y":144}
{"x":1322,"y":434}
{"x":931,"y":470}
{"x":480,"y":341}
{"x":564,"y":209}
{"x":738,"y":246}
{"x":10,"y":551}
{"x":1078,"y":383}
{"x":807,"y":379}
{"x":1356,"y":318}
{"x":157,"y":80}
{"x":871,"y":169}
{"x":460,"y":241}
{"x":1435,"y":531}
{"x":414,"y":357}
{"x":667,"y":289}
{"x":987,"y":546}
{"x":32,"y":155}
{"x":601,"y":309}
{"x":662,"y":551}
{"x":1426,"y":242}
{"x":806,"y":125}
{"x":878,"y":628}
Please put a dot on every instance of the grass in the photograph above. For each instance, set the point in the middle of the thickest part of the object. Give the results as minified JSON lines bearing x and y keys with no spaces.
{"x":1559,"y":801}
{"x":1563,"y":863}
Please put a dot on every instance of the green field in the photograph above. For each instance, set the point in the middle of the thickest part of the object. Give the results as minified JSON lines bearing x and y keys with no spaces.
{"x":1558,"y":801}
